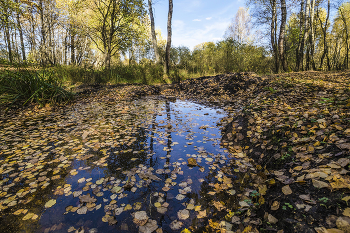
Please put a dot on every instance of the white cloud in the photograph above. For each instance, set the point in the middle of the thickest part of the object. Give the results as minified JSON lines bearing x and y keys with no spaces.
{"x":209,"y":18}
{"x":197,"y":20}
{"x":190,"y":37}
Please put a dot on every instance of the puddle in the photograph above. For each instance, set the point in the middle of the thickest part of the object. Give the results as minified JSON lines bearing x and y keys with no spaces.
{"x":103,"y":162}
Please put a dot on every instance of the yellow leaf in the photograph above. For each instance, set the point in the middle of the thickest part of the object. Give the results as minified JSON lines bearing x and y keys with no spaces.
{"x":128,"y":207}
{"x":30,"y":215}
{"x":185,"y":231}
{"x":157,"y":204}
{"x":213,"y":224}
{"x":310,"y":149}
{"x":50,"y":203}
{"x":197,"y":208}
{"x":261,"y":200}
{"x":316,"y":144}
{"x":347,"y":212}
{"x":248,"y":229}
{"x":18,"y":212}
{"x":262,"y":189}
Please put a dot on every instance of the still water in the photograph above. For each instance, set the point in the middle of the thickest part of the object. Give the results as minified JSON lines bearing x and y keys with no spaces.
{"x":90,"y":168}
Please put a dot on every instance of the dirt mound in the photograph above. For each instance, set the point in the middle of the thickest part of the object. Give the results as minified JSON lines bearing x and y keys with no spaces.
{"x":219,"y":88}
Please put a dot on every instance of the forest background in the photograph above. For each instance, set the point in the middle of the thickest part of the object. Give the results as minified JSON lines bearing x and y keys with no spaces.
{"x":108,"y":41}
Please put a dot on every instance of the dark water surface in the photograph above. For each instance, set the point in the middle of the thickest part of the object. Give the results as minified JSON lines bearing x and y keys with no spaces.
{"x":102,"y":162}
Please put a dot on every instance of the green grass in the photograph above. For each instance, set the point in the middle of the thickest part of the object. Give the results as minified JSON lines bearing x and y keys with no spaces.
{"x":24,"y":86}
{"x":146,"y":74}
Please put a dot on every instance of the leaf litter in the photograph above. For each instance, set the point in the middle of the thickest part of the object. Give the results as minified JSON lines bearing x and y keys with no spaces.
{"x":282,"y":142}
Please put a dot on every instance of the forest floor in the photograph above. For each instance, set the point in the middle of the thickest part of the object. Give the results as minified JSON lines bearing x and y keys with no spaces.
{"x":293,"y":130}
{"x":292,"y":133}
{"x":289,"y":135}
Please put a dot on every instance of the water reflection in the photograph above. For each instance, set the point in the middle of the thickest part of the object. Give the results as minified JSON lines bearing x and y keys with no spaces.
{"x":128,"y":156}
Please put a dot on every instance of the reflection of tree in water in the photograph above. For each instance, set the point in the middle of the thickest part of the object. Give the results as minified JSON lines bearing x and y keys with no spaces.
{"x":206,"y":200}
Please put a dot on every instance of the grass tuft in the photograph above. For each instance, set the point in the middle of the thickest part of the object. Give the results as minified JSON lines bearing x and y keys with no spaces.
{"x":22,"y":87}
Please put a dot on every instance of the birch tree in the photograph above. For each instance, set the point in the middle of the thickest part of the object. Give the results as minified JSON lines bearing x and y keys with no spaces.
{"x":168,"y":45}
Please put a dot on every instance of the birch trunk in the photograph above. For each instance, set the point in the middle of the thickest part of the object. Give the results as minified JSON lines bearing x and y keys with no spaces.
{"x":282,"y":34}
{"x":154,"y":38}
{"x":168,"y":44}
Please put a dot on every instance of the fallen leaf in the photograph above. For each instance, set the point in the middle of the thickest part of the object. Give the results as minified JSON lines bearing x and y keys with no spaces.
{"x":346,"y":212}
{"x":176,"y":225}
{"x":287,"y":190}
{"x":140,"y":218}
{"x":87,"y":198}
{"x":275,"y":205}
{"x":50,"y":203}
{"x":202,"y":214}
{"x":183,"y":214}
{"x":319,"y":184}
{"x":28,"y":216}
{"x":272,"y":219}
{"x":149,"y":227}
{"x":82,"y":210}
{"x":218,"y":205}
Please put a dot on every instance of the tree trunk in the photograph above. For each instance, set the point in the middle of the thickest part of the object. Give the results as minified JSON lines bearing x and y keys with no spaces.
{"x":72,"y":47}
{"x":154,"y":38}
{"x":344,"y":18}
{"x":8,"y":40}
{"x":168,"y":44}
{"x":324,"y":30}
{"x":65,"y":48}
{"x":312,"y":35}
{"x":21,"y":36}
{"x":273,"y":35}
{"x":300,"y":49}
{"x":306,"y":29}
{"x":282,"y":34}
{"x":43,"y":34}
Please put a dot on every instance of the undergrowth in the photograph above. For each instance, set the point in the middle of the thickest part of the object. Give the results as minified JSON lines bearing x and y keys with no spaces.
{"x":23,"y":86}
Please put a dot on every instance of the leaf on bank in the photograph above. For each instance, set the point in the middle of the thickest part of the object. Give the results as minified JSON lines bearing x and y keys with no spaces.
{"x":287,"y":190}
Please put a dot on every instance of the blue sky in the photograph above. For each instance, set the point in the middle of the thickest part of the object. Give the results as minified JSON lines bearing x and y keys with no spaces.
{"x":196,"y":21}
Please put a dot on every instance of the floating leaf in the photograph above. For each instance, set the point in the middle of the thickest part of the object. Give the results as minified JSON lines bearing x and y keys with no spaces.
{"x":87,"y":198}
{"x":157,"y":204}
{"x":202,"y":214}
{"x":218,"y":205}
{"x":128,"y":207}
{"x":180,"y":197}
{"x":140,"y":218}
{"x":185,"y":231}
{"x":183,"y":214}
{"x":162,"y":209}
{"x":176,"y":225}
{"x":82,"y":210}
{"x":28,"y":216}
{"x":150,"y":226}
{"x":50,"y":203}
{"x":17,"y":212}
